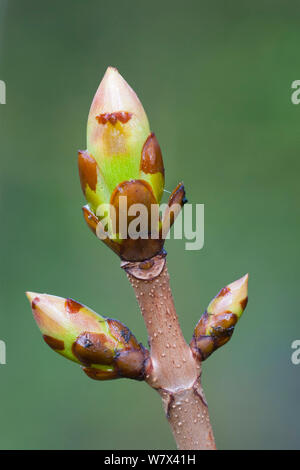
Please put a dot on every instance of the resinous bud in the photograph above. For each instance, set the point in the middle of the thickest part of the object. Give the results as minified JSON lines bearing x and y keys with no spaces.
{"x":123,"y":159}
{"x":120,"y":146}
{"x":105,"y":348}
{"x":217,"y":324}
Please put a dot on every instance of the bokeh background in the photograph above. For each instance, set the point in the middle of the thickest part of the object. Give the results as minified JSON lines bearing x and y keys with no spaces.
{"x":215,"y":79}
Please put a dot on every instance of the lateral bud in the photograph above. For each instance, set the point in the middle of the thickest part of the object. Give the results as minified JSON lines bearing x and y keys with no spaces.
{"x":217,"y":324}
{"x":105,"y":348}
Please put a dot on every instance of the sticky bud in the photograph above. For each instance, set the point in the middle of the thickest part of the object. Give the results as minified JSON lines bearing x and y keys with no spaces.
{"x":120,"y":146}
{"x":123,"y":159}
{"x":105,"y":348}
{"x":217,"y":324}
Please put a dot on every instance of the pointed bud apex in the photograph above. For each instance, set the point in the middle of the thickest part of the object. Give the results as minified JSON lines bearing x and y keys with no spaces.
{"x":105,"y":347}
{"x":119,"y":142}
{"x":216,"y":325}
{"x":232,"y":298}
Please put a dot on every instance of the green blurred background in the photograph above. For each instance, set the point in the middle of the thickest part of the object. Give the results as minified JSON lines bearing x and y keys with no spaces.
{"x":215,"y":79}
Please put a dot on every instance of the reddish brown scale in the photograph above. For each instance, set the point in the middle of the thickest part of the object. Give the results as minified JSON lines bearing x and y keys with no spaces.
{"x":131,"y":363}
{"x":202,"y":346}
{"x":129,"y":250}
{"x":122,"y":334}
{"x":244,"y":303}
{"x":223,"y":292}
{"x":87,"y":167}
{"x":113,"y":118}
{"x":116,"y":247}
{"x":177,"y":196}
{"x":90,"y":219}
{"x":34,"y":303}
{"x":140,"y":249}
{"x":176,"y":199}
{"x":152,"y":161}
{"x":72,"y":306}
{"x":221,"y":340}
{"x":222,"y":322}
{"x":54,"y":343}
{"x":98,"y":374}
{"x":136,"y":192}
{"x":201,"y":325}
{"x":221,"y":329}
{"x":93,"y":348}
{"x":118,"y":330}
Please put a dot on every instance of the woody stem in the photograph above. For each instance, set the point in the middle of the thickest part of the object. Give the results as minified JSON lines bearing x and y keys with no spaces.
{"x":172,"y":369}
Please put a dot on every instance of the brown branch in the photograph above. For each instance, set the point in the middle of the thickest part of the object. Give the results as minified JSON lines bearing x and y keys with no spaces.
{"x":172,"y":369}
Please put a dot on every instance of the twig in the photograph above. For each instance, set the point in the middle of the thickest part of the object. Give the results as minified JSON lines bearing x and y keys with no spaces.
{"x":172,"y":369}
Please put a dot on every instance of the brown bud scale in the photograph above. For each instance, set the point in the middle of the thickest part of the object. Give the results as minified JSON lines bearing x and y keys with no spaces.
{"x":93,"y":348}
{"x":98,"y":374}
{"x":87,"y":171}
{"x":34,"y":303}
{"x":136,"y":192}
{"x":223,"y":292}
{"x":90,"y":218}
{"x":72,"y":306}
{"x":244,"y":303}
{"x":220,"y":328}
{"x":152,"y":161}
{"x":54,"y":343}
